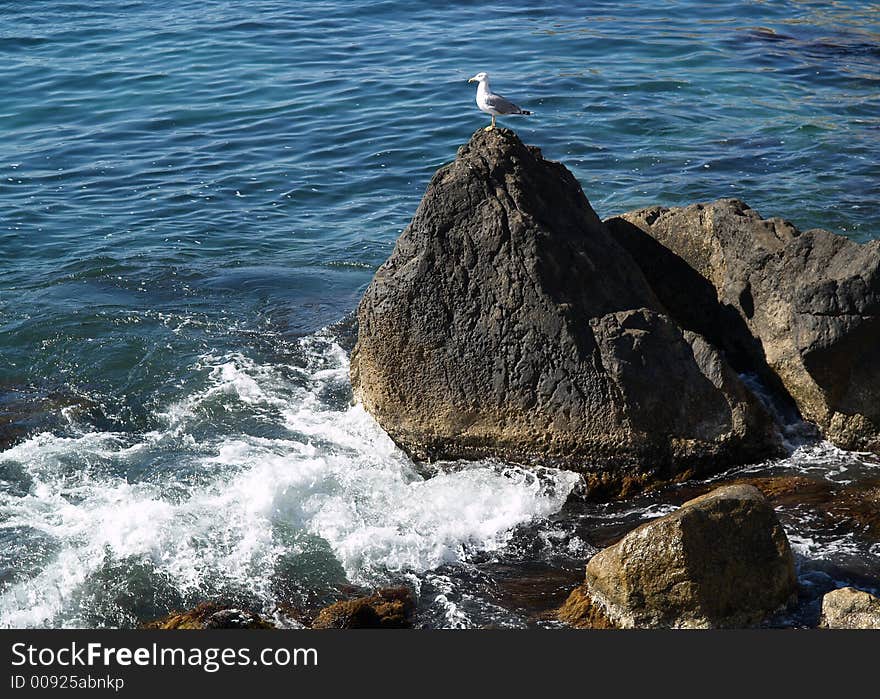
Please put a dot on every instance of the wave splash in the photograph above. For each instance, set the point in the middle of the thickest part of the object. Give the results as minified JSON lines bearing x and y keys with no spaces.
{"x":263,"y":481}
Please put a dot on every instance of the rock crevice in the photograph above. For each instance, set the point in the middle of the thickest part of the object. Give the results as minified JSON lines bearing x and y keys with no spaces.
{"x":800,"y":309}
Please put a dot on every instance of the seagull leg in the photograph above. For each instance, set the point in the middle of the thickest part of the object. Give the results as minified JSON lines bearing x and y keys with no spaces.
{"x":492,"y":125}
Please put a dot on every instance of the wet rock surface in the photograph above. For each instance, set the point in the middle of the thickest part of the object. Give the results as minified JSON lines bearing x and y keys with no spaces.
{"x":581,"y":611}
{"x":388,"y":608}
{"x":25,"y":410}
{"x":211,"y":616}
{"x":853,"y":506}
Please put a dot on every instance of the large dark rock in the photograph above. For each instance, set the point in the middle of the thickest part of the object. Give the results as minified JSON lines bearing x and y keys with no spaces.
{"x":800,"y":306}
{"x":720,"y":560}
{"x":508,"y":322}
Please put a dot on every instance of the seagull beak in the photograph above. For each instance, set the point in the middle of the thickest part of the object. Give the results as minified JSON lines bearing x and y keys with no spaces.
{"x":470,"y":80}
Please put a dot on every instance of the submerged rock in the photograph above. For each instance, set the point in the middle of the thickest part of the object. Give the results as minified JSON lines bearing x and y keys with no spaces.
{"x":720,"y":560}
{"x":211,"y":616}
{"x":508,"y":322}
{"x":800,"y":309}
{"x":389,"y":608}
{"x":859,"y":503}
{"x":26,"y":410}
{"x":850,"y":508}
{"x":848,"y":608}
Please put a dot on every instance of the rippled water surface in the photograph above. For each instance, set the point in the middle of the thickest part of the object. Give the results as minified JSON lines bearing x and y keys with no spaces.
{"x":193,"y":196}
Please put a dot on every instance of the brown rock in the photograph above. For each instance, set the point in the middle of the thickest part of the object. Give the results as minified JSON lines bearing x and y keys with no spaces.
{"x":860,"y":504}
{"x":582,"y":612}
{"x":720,"y":560}
{"x":211,"y":616}
{"x":848,"y":608}
{"x":856,"y":505}
{"x":389,"y":608}
{"x":791,"y":490}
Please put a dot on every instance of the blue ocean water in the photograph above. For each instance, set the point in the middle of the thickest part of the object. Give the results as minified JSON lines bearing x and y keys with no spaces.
{"x":193,"y":196}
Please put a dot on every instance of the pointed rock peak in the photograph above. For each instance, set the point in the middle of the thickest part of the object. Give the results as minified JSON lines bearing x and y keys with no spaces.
{"x":509,"y":323}
{"x":499,"y":143}
{"x":497,"y":167}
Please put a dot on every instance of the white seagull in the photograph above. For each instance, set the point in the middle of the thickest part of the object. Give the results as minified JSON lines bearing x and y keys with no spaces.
{"x":491,"y":103}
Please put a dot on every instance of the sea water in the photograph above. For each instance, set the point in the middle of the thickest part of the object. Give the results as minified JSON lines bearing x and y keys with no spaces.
{"x":193,"y":196}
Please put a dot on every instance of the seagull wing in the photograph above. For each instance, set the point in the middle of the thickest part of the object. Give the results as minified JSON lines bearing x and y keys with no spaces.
{"x":501,"y":105}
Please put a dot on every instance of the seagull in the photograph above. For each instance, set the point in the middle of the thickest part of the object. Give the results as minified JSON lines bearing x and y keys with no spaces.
{"x":491,"y":103}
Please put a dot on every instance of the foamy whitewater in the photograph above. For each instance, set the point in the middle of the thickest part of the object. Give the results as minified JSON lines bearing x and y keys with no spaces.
{"x":334,"y":491}
{"x":191,"y":191}
{"x":264,"y":485}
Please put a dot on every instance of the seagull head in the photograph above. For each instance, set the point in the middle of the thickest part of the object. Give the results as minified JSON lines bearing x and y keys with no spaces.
{"x":480,"y":77}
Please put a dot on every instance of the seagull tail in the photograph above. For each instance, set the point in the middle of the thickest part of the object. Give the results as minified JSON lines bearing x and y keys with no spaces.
{"x":525,"y":111}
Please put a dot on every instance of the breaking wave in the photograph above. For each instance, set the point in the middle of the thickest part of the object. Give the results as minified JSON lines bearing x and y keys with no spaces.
{"x":262,"y":481}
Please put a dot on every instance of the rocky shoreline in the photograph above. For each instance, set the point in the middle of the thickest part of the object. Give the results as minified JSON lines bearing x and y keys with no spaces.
{"x":511,"y":322}
{"x":658,"y":346}
{"x":386,"y":608}
{"x":722,"y":560}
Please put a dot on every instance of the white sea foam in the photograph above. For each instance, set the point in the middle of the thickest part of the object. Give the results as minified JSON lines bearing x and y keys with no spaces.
{"x":328,"y":472}
{"x":450,"y":613}
{"x":819,"y":459}
{"x":814,"y":549}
